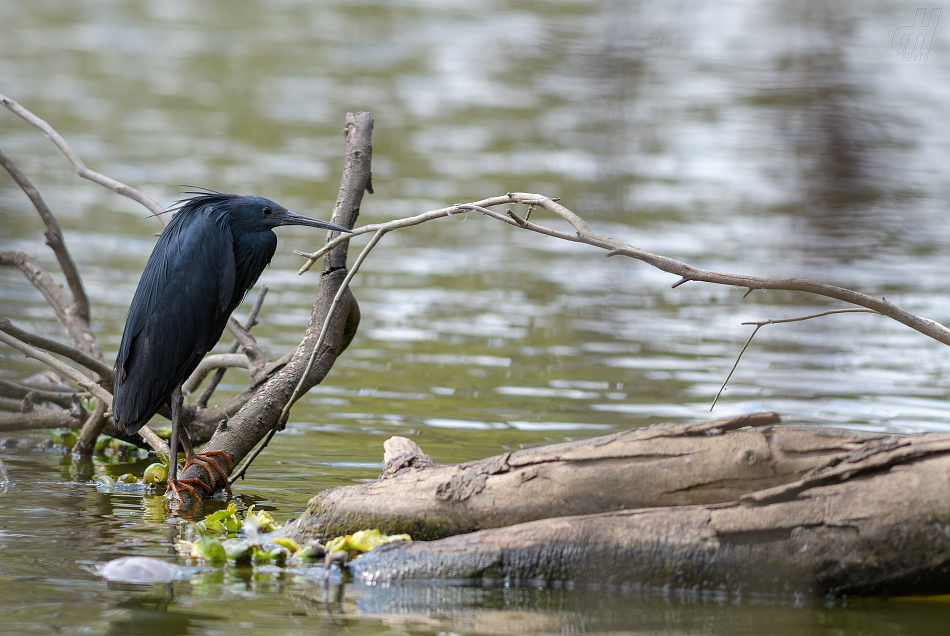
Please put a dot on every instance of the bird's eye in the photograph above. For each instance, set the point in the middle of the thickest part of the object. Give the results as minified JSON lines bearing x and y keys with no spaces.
{"x":268,"y":211}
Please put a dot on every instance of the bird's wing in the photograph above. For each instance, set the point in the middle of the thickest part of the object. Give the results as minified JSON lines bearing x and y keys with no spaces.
{"x":177,"y":314}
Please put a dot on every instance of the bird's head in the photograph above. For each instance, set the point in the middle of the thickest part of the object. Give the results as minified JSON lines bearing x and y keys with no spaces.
{"x":252,"y":211}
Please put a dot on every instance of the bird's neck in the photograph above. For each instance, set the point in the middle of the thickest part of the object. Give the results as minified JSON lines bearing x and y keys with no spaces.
{"x":252,"y":253}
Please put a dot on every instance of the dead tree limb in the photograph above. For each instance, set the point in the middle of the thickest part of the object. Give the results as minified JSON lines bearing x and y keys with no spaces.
{"x":81,"y":169}
{"x":687,"y":273}
{"x":870,"y":518}
{"x":80,"y":357}
{"x":77,"y":327}
{"x":39,"y":419}
{"x":18,"y":390}
{"x":260,"y":415}
{"x":54,"y":238}
{"x":662,"y":465}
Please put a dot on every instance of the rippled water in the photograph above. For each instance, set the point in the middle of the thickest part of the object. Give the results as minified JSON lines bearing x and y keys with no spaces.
{"x":767,"y":138}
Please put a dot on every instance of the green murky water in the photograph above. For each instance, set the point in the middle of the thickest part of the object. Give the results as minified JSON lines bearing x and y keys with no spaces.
{"x":766,"y":138}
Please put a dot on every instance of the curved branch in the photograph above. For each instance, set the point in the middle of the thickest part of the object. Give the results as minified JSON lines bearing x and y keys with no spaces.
{"x":209,"y":363}
{"x":17,"y":390}
{"x":54,"y":238}
{"x":687,"y":273}
{"x":81,"y":169}
{"x":77,"y":328}
{"x":96,"y":366}
{"x":97,"y":391}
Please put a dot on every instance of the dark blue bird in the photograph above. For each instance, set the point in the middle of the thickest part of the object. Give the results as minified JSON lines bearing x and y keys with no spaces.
{"x":207,"y":258}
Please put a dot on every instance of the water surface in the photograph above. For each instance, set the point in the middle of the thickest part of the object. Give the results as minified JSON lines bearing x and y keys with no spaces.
{"x":765,"y":138}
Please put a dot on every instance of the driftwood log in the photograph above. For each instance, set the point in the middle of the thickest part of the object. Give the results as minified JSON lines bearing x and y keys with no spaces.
{"x":778,"y":509}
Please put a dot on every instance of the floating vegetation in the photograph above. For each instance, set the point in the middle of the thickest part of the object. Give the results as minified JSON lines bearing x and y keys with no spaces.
{"x":224,"y":538}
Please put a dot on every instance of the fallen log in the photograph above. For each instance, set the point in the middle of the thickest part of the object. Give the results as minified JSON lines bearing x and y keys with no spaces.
{"x":772,"y":509}
{"x":874,"y":522}
{"x":657,"y":466}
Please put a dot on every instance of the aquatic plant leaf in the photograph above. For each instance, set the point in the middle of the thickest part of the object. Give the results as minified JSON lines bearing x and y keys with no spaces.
{"x":210,"y":547}
{"x":259,"y":521}
{"x":363,"y":541}
{"x":288,"y":543}
{"x":155,"y":474}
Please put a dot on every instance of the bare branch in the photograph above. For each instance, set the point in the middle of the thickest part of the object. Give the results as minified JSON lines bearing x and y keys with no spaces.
{"x":762,"y":323}
{"x":4,"y":476}
{"x":97,"y":391}
{"x":300,"y":389}
{"x":91,"y":430}
{"x":17,"y":390}
{"x":217,"y":361}
{"x":256,"y":356}
{"x":77,"y":328}
{"x":54,"y":238}
{"x":81,"y":169}
{"x":38,"y":419}
{"x":96,"y":366}
{"x":687,"y":273}
{"x":61,"y":367}
{"x":23,"y":405}
{"x":394,"y":225}
{"x":202,"y":400}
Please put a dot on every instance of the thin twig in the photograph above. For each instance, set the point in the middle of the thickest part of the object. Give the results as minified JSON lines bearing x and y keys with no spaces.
{"x":4,"y":476}
{"x":299,"y":390}
{"x":202,"y":400}
{"x":762,"y":323}
{"x":393,"y":225}
{"x":853,"y":310}
{"x":81,"y":169}
{"x":96,"y":366}
{"x":54,"y":238}
{"x":256,"y":356}
{"x":735,"y":365}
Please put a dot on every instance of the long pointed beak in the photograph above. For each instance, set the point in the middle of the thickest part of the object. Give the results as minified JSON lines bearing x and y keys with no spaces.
{"x":295,"y":219}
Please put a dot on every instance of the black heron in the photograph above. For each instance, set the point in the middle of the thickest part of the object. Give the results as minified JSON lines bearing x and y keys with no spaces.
{"x":207,"y":258}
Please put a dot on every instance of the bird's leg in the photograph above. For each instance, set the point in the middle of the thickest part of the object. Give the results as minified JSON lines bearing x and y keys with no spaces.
{"x":205,"y":460}
{"x":177,"y":432}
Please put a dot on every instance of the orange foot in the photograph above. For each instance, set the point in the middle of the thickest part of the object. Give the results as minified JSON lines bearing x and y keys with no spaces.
{"x":175,"y":485}
{"x":204,"y":460}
